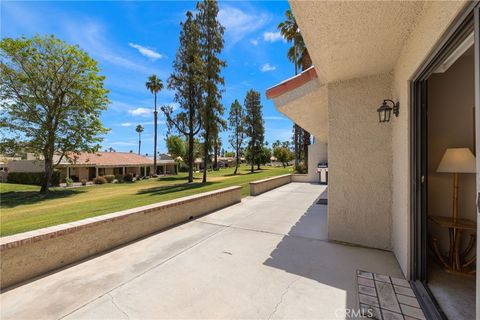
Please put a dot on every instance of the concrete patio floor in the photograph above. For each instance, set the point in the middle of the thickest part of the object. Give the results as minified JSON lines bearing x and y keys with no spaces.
{"x":266,"y":257}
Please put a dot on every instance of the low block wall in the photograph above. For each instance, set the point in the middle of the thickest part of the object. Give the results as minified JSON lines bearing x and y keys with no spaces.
{"x":34,"y":253}
{"x":261,"y":186}
{"x":298,"y":177}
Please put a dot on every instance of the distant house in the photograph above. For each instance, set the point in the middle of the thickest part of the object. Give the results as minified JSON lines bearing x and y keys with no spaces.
{"x":89,"y":165}
{"x":226,"y":162}
{"x":166,"y":164}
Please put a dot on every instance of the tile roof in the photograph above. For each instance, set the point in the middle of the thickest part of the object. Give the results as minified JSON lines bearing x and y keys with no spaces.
{"x":109,"y":159}
{"x":292,"y":83}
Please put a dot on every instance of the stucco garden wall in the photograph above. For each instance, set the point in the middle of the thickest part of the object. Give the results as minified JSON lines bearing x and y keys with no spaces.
{"x":436,"y":18}
{"x":360,"y":163}
{"x":34,"y":253}
{"x":261,"y":186}
{"x":317,"y":152}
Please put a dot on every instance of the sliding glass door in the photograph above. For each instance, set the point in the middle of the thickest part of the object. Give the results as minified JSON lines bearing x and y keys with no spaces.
{"x":457,"y":53}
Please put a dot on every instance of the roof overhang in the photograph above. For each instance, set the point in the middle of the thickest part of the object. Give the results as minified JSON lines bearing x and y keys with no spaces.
{"x":305,"y":101}
{"x":292,"y":83}
{"x":354,"y":39}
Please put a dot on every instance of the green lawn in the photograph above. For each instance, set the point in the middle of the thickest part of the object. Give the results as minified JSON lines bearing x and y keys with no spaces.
{"x":23,"y":209}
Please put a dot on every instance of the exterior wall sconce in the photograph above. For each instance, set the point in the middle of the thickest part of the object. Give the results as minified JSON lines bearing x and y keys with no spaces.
{"x":385,"y":110}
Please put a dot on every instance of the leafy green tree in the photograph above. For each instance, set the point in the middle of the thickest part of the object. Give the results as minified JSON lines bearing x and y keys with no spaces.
{"x":236,"y":120}
{"x":261,"y":157}
{"x":187,"y":81}
{"x":283,"y":154}
{"x":211,"y":45}
{"x":51,"y":97}
{"x":139,"y":130}
{"x":265,"y":156}
{"x":155,"y":85}
{"x":254,"y":125}
{"x":175,"y":146}
{"x":230,"y":154}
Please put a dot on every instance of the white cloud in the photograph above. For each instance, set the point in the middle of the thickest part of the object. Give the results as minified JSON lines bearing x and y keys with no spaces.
{"x":267,"y":67}
{"x":144,"y":123}
{"x":272,"y":36}
{"x":90,"y":34}
{"x":149,"y":53}
{"x":254,"y":42}
{"x":239,"y":23}
{"x":143,"y":112}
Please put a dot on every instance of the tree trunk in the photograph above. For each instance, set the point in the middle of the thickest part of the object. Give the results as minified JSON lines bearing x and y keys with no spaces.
{"x":306,"y":143}
{"x":237,"y":160}
{"x":139,"y":143}
{"x":190,"y":157}
{"x":155,"y":116}
{"x":253,"y":163}
{"x":205,"y":162}
{"x":47,"y":178}
{"x":215,"y":156}
{"x":205,"y":154}
{"x":295,"y":144}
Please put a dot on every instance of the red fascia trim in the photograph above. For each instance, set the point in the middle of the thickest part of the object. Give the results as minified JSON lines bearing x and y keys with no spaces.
{"x":292,"y":83}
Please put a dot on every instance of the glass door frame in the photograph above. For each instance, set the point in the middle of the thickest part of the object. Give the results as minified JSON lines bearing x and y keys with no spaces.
{"x":466,"y":21}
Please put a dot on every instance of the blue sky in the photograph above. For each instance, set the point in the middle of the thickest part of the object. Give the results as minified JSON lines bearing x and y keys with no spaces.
{"x":131,"y":40}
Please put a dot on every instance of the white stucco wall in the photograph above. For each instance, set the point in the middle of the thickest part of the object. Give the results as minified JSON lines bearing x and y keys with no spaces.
{"x":359,"y":154}
{"x":317,"y":152}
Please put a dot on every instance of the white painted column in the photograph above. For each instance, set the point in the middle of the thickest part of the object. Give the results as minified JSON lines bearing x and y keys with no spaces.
{"x":68,"y":172}
{"x":96,"y":171}
{"x":164,"y":169}
{"x":123,"y":170}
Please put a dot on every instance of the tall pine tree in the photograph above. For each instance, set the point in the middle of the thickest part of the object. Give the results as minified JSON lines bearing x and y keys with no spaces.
{"x":254,"y":125}
{"x":236,"y":121}
{"x":211,"y":45}
{"x":187,"y":81}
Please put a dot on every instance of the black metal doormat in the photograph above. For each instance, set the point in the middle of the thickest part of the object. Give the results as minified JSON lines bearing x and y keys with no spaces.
{"x":382,"y":297}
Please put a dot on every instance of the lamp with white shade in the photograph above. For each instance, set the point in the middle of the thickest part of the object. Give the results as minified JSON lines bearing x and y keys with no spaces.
{"x":457,"y":160}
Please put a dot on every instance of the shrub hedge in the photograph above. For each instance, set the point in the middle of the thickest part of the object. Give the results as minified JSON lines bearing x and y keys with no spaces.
{"x":109,"y":178}
{"x":34,"y":178}
{"x":99,"y":180}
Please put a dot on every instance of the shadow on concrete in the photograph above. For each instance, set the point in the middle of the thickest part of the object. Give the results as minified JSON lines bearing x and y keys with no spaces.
{"x":306,"y":252}
{"x":15,"y":198}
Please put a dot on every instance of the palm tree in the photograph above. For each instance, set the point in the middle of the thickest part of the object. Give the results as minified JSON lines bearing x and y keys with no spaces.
{"x":299,"y":56}
{"x":298,"y":53}
{"x":155,"y":85}
{"x":139,"y":130}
